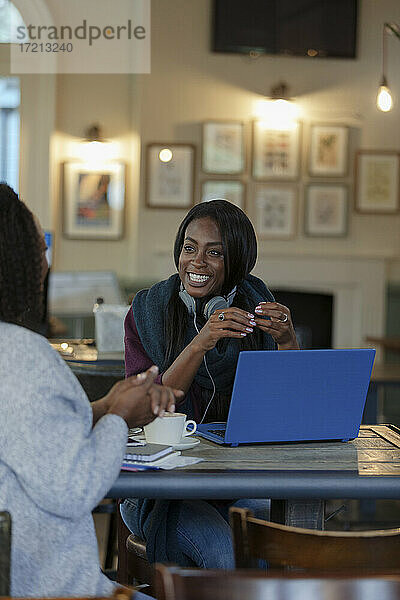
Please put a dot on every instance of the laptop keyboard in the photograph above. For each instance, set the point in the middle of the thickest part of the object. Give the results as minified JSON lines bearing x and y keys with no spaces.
{"x":219,"y":432}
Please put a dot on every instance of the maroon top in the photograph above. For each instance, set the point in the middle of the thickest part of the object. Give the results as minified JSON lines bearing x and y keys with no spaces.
{"x":137,"y":360}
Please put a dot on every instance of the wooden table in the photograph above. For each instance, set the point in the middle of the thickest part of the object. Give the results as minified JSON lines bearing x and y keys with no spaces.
{"x":297,"y":477}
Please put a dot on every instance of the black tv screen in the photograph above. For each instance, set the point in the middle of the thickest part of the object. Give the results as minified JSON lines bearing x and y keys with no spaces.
{"x":322,"y":28}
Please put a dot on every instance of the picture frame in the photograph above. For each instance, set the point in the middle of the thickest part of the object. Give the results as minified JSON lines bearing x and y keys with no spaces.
{"x":223,"y":151}
{"x":377,"y":185}
{"x":228,"y":189}
{"x":170,"y":175}
{"x":326,"y":210}
{"x":276,"y":152}
{"x":276,"y":211}
{"x":328,"y":150}
{"x":93,"y":200}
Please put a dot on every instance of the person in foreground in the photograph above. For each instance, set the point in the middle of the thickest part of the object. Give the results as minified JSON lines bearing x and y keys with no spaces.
{"x":59,"y":454}
{"x":193,"y":325}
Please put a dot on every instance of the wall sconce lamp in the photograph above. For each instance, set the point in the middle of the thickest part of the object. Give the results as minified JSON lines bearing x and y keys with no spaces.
{"x":95,"y":149}
{"x":280,"y":92}
{"x":384,"y":101}
{"x":278,"y":111}
{"x":93,"y":134}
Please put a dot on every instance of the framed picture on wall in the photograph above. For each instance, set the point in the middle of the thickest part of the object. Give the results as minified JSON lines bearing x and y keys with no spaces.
{"x":93,"y":201}
{"x":377,"y":182}
{"x":234,"y":191}
{"x":276,"y":152}
{"x":328,"y":150}
{"x":276,"y":211}
{"x":326,"y":210}
{"x":223,"y":147}
{"x":170,"y":175}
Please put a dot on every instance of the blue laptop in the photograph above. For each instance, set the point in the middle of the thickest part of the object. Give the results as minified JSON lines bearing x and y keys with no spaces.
{"x":295,"y":396}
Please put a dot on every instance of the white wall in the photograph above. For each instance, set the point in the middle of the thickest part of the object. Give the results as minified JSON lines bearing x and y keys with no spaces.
{"x":189,"y":84}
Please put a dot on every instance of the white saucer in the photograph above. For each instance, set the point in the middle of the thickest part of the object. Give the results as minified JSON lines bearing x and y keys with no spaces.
{"x":186,"y":443}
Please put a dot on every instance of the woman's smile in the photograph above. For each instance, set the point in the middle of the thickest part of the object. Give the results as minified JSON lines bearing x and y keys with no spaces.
{"x":197,"y":279}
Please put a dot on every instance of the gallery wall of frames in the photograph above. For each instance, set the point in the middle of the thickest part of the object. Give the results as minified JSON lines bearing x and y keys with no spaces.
{"x":266,"y":170}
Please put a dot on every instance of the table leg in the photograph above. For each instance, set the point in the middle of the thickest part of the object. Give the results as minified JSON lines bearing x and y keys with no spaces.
{"x":370,"y":416}
{"x":299,"y":513}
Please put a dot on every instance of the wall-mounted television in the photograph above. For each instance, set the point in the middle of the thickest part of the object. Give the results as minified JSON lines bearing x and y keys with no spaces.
{"x":317,"y":28}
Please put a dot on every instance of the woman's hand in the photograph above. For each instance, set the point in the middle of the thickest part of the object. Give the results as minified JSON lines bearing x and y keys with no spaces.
{"x":139,"y":400}
{"x":228,"y":322}
{"x":278,"y":324}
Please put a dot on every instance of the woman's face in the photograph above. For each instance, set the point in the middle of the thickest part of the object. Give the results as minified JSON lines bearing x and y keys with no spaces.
{"x":201,"y":261}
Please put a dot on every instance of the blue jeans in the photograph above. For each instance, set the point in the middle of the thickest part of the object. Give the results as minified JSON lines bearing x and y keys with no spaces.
{"x":203,"y":536}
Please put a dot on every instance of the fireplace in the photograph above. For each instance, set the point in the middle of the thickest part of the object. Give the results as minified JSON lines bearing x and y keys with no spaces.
{"x":357,"y":285}
{"x":312,"y":315}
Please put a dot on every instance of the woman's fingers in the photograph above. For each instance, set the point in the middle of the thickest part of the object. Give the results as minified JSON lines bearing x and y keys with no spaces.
{"x":270,"y":326}
{"x":154,"y":395}
{"x":233,"y":314}
{"x":274,"y":311}
{"x":163,"y":399}
{"x":234,"y":326}
{"x":145,"y":378}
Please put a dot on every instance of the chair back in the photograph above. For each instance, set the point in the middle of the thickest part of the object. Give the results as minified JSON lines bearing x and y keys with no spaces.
{"x":5,"y":553}
{"x":176,"y":583}
{"x":119,"y":593}
{"x":283,"y":546}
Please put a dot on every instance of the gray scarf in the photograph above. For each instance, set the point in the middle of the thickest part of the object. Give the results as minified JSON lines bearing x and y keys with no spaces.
{"x":149,"y":311}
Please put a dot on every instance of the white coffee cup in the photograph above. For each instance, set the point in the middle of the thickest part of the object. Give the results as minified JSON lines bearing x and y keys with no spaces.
{"x":169,"y":429}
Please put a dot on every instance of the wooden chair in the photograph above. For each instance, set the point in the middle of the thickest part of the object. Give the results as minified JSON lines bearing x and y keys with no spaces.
{"x":133,"y":566}
{"x":119,"y":594}
{"x":5,"y":553}
{"x":282,"y":546}
{"x":176,"y":583}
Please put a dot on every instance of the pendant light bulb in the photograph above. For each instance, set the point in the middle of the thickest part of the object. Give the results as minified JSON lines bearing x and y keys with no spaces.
{"x":384,"y":100}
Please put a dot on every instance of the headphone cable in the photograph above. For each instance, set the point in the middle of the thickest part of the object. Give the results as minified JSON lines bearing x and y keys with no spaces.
{"x":208,"y":372}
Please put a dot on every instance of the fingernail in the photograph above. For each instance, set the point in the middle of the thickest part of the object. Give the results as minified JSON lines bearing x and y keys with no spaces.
{"x":162,"y":413}
{"x":155,"y":410}
{"x":141,"y":376}
{"x":154,"y":369}
{"x":249,"y":329}
{"x":243,"y":334}
{"x":250,"y":315}
{"x":253,"y":323}
{"x":172,"y":408}
{"x":258,"y":310}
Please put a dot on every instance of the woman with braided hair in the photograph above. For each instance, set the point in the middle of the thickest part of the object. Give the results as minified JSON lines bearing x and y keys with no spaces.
{"x":59,"y":454}
{"x":23,"y":264}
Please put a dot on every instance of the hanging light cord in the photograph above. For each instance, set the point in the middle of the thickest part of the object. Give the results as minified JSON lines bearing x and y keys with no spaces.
{"x":393,"y":28}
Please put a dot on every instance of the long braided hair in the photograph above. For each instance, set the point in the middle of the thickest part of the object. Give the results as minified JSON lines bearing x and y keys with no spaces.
{"x":21,"y":295}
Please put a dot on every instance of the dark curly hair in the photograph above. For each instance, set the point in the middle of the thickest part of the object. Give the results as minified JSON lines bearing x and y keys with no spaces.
{"x":21,"y":294}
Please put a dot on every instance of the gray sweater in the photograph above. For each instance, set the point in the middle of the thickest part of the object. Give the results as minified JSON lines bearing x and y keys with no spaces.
{"x":54,"y":469}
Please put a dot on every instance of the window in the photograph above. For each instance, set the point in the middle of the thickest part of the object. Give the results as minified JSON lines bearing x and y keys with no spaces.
{"x":9,"y":14}
{"x":9,"y":130}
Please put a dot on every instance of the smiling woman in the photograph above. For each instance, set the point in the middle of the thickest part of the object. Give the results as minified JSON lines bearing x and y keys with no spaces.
{"x":193,"y":326}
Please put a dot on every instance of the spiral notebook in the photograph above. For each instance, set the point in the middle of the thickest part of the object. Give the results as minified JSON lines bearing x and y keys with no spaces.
{"x":146,"y":453}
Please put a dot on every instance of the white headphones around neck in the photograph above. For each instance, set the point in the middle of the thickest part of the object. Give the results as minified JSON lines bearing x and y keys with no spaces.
{"x":211,"y":306}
